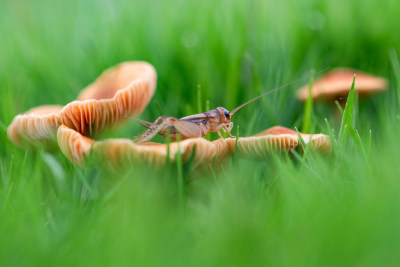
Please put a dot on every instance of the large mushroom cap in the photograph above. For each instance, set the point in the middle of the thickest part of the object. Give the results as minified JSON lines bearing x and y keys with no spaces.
{"x":337,"y":84}
{"x":37,"y":126}
{"x":117,"y":152}
{"x":119,"y":77}
{"x":119,"y":93}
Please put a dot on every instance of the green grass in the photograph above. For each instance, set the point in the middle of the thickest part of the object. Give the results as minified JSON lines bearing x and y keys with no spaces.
{"x":315,"y":210}
{"x":308,"y":107}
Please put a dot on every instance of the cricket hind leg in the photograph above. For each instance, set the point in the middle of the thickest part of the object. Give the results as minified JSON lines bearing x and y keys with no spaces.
{"x":150,"y":126}
{"x":186,"y":129}
{"x":153,"y":129}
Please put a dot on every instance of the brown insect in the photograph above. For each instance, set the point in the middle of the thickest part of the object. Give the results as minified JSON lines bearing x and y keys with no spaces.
{"x":198,"y":125}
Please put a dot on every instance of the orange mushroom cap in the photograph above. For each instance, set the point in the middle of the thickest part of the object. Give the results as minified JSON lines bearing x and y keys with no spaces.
{"x":37,"y":126}
{"x":337,"y":83}
{"x":119,"y":93}
{"x":115,"y":152}
{"x":278,"y":139}
{"x":319,"y":142}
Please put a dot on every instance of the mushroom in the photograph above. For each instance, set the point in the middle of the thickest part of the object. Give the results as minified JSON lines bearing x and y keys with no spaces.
{"x":119,"y":93}
{"x":38,"y":125}
{"x":319,"y":142}
{"x":278,"y":139}
{"x":117,"y":152}
{"x":336,"y":84}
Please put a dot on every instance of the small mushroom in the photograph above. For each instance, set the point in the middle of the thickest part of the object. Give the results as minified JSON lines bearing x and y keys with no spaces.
{"x":278,"y":139}
{"x":119,"y":93}
{"x":336,"y":84}
{"x":319,"y":142}
{"x":37,"y":126}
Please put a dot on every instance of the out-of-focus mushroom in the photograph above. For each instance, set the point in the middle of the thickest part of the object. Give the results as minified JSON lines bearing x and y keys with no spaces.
{"x":119,"y":93}
{"x":319,"y":142}
{"x":278,"y":139}
{"x":336,"y":84}
{"x":38,"y":126}
{"x":262,"y":144}
{"x":117,"y":152}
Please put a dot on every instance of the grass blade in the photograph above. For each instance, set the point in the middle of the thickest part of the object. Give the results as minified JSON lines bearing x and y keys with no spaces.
{"x":396,"y":70}
{"x":168,"y":142}
{"x":180,"y":174}
{"x":305,"y":147}
{"x":339,"y":107}
{"x":308,"y":106}
{"x":347,"y":114}
{"x":199,"y":104}
{"x":158,"y":108}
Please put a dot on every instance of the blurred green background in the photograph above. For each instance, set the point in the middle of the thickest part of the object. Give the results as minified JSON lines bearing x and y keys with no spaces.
{"x":312,"y":211}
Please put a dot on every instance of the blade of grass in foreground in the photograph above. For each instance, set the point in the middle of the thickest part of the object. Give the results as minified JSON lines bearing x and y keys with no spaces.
{"x":180,"y":174}
{"x":308,"y":106}
{"x":339,"y":107}
{"x":348,"y":111}
{"x":3,"y":126}
{"x":396,"y":70}
{"x":199,"y":104}
{"x":305,"y":147}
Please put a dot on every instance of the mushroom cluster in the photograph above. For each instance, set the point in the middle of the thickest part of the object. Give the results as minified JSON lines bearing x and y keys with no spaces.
{"x":122,"y":92}
{"x":117,"y":152}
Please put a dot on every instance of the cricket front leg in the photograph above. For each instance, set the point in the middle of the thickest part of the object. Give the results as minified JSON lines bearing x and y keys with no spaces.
{"x":228,"y":129}
{"x":218,"y":129}
{"x":221,"y":126}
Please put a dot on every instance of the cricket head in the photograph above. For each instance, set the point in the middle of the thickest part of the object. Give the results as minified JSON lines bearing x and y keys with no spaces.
{"x":224,"y":115}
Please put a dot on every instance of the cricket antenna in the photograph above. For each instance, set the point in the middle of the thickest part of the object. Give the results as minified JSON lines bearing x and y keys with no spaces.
{"x":276,"y":89}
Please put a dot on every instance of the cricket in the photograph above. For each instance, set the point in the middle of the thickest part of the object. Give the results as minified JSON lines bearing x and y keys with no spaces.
{"x":198,"y":125}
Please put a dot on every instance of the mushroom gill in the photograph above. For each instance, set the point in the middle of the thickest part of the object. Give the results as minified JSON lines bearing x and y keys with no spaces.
{"x":37,"y":126}
{"x":279,"y":139}
{"x":73,"y":145}
{"x":119,"y":93}
{"x":319,"y":142}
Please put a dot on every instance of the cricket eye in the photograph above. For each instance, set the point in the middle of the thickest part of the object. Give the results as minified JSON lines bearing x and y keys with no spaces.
{"x":227,"y":115}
